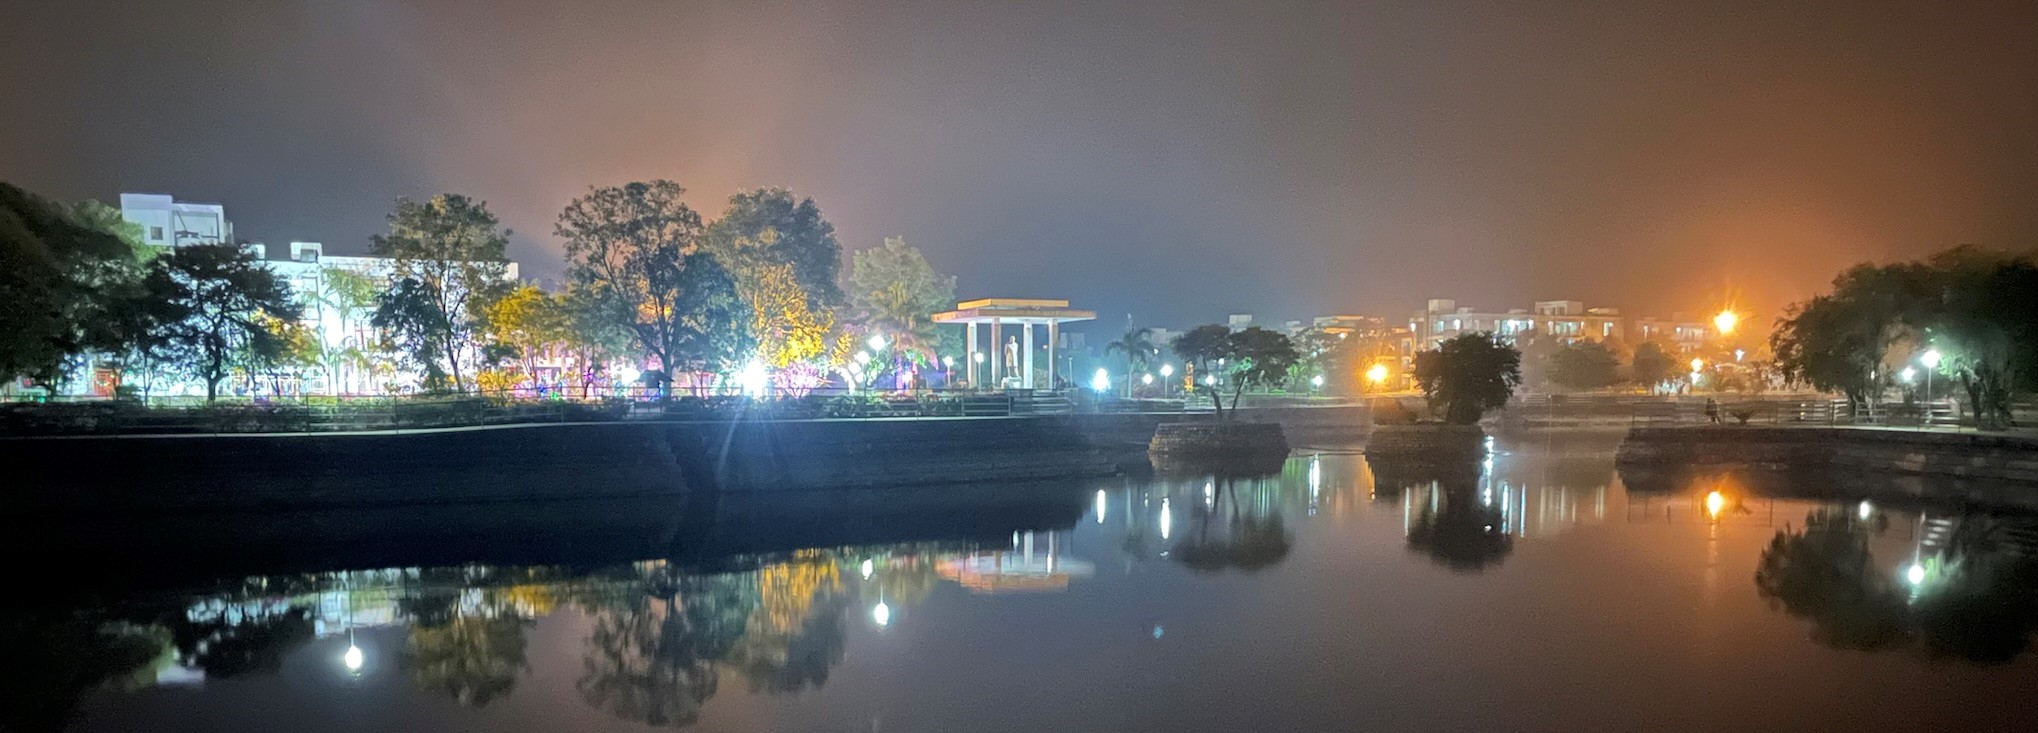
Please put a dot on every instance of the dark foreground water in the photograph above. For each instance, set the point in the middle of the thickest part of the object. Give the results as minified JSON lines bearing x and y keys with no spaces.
{"x":1533,"y":592}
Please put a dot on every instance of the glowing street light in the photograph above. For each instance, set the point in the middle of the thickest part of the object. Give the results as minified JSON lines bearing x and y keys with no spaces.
{"x":1316,"y":381}
{"x":863,"y":357}
{"x":1908,"y":375}
{"x":1866,"y":510}
{"x":1726,"y":321}
{"x":948,"y":362}
{"x":881,"y":613}
{"x":353,"y":658}
{"x":1210,"y":380}
{"x":1167,"y":370}
{"x":977,"y":356}
{"x":1697,"y":365}
{"x":754,"y":379}
{"x":1146,"y":379}
{"x":1101,"y":381}
{"x":1915,"y":575}
{"x":1376,"y":374}
{"x":1931,"y":361}
{"x":867,"y":568}
{"x":876,"y":342}
{"x":1714,"y":503}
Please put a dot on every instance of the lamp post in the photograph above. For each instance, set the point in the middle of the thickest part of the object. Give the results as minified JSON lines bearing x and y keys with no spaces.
{"x":1167,"y":373}
{"x":1931,"y":361}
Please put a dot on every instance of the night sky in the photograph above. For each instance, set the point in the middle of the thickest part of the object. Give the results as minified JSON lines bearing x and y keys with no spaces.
{"x":1175,"y":161}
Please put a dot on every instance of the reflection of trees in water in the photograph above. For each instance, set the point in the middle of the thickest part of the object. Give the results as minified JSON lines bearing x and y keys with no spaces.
{"x":1460,"y":532}
{"x":1980,"y":603}
{"x":1227,"y":530}
{"x":472,"y":659}
{"x":661,"y":636}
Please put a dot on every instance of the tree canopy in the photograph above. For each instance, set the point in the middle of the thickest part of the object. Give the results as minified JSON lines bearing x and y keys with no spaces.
{"x":895,"y":292}
{"x":449,"y":255}
{"x":1650,"y":365}
{"x":221,"y":303}
{"x":62,"y":269}
{"x":770,"y":226}
{"x":1584,"y":365}
{"x":1971,"y":305}
{"x":1467,"y":375}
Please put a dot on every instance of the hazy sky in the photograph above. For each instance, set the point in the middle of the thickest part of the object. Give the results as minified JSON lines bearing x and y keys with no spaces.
{"x":1176,"y":161}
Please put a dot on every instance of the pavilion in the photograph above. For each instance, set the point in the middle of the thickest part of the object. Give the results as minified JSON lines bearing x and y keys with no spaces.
{"x":1001,"y":311}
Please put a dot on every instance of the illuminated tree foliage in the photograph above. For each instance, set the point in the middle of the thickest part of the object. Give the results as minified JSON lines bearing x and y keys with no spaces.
{"x":788,"y":329}
{"x":524,"y":324}
{"x":895,"y":293}
{"x":448,"y":254}
{"x":635,"y":249}
{"x":1138,"y":348}
{"x":473,"y":659}
{"x":770,"y":226}
{"x":1467,"y":375}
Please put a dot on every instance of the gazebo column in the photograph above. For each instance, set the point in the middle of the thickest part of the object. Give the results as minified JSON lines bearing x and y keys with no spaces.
{"x":969,"y":353}
{"x":1026,"y":354}
{"x":1053,"y":339}
{"x":997,"y":375}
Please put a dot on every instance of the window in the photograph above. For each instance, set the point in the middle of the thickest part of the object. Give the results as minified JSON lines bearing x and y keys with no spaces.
{"x":155,"y":234}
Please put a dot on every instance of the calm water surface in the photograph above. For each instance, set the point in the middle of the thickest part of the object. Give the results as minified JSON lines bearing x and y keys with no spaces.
{"x":1533,"y":592}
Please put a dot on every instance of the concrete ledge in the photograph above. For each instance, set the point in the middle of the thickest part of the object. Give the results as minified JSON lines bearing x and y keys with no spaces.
{"x":1916,"y":452}
{"x":1436,"y":440}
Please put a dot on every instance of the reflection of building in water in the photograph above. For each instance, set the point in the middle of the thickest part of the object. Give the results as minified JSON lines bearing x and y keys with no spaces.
{"x":1532,"y":499}
{"x":1034,"y":563}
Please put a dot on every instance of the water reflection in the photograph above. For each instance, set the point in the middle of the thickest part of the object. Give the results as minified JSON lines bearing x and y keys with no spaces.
{"x":657,"y":642}
{"x":1967,"y":588}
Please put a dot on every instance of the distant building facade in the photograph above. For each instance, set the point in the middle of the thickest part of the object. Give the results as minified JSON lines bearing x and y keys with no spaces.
{"x":1567,"y":320}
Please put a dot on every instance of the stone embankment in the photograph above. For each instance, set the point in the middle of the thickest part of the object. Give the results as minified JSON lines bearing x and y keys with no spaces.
{"x":1967,"y":455}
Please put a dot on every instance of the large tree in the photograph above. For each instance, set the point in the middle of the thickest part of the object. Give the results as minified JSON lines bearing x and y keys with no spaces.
{"x":896,"y":293}
{"x":635,"y":250}
{"x":1467,"y":375}
{"x":1984,"y":322}
{"x":223,"y":300}
{"x":1254,"y":357}
{"x":771,"y":226}
{"x":62,"y":268}
{"x":451,"y":256}
{"x":1584,"y":365}
{"x":1650,"y":365}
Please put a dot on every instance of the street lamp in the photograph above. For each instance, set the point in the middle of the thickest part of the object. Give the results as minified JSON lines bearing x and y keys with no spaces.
{"x":1931,"y":361}
{"x":1726,"y":321}
{"x":1377,"y":374}
{"x":1101,"y":381}
{"x":1316,"y":381}
{"x":876,"y":342}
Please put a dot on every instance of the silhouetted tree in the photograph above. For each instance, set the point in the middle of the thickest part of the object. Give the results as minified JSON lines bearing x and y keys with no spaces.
{"x":1467,"y":375}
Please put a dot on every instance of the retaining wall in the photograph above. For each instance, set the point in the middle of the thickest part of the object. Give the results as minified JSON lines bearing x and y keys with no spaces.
{"x":1914,"y":452}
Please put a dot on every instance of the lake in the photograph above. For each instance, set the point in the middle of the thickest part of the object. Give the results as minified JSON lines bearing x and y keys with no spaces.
{"x":1534,"y":591}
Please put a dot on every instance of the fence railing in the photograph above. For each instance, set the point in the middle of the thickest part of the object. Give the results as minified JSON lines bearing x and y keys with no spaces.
{"x":1944,"y":412}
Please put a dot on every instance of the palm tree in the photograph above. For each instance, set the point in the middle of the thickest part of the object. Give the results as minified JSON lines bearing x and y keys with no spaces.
{"x":1137,"y":345}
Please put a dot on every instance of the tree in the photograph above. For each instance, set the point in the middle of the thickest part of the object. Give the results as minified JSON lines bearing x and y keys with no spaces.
{"x":351,"y":295}
{"x":1262,"y":359}
{"x":471,"y":658}
{"x":451,"y":255}
{"x":788,"y":330}
{"x":1843,"y":341}
{"x":1137,"y":346}
{"x":61,"y":270}
{"x":635,"y":251}
{"x":524,"y":323}
{"x":220,"y":297}
{"x":896,"y":293}
{"x":1467,"y":375}
{"x":769,"y":226}
{"x":1984,"y":322}
{"x":1650,"y":365}
{"x":1202,"y":347}
{"x":1584,"y":365}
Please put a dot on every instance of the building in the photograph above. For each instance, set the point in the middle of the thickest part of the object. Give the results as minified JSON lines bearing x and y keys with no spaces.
{"x":305,"y":266}
{"x":168,"y":222}
{"x":1566,"y":320}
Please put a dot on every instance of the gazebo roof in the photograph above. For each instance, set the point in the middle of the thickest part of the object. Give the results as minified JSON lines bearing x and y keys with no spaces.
{"x":1014,"y":310}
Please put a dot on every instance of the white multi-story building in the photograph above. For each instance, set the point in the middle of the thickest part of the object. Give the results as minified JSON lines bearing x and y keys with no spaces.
{"x":305,"y":266}
{"x":168,"y":222}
